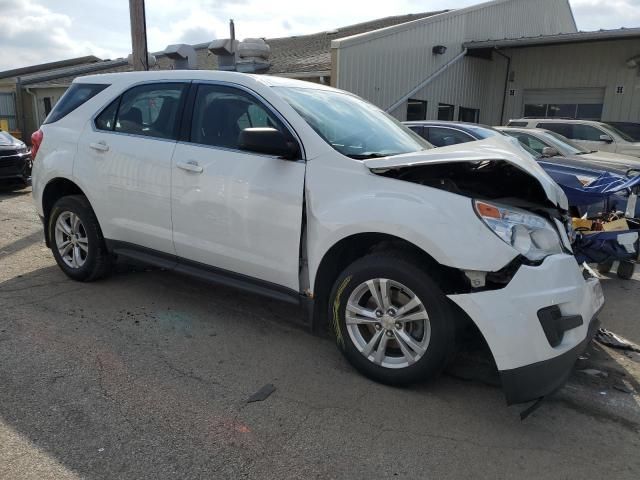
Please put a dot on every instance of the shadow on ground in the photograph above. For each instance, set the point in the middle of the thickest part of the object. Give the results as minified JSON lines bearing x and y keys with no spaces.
{"x":146,"y":375}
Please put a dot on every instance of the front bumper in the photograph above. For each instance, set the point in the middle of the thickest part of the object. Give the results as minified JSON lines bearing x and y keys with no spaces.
{"x":16,"y":166}
{"x":532,"y":363}
{"x":540,"y":379}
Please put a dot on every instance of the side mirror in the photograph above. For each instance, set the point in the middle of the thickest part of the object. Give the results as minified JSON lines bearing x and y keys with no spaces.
{"x":606,"y":139}
{"x":269,"y":141}
{"x":550,"y":152}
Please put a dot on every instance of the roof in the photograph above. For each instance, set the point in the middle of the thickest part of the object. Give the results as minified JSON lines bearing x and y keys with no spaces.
{"x":289,"y":55}
{"x":561,"y":38}
{"x":18,"y":72}
{"x":308,"y":53}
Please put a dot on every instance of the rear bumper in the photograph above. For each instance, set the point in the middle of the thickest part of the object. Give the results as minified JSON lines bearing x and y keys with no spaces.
{"x":537,"y":325}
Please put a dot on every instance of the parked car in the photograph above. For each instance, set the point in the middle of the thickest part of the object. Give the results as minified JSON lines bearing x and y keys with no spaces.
{"x":444,"y":133}
{"x":590,"y":134}
{"x":550,"y":144}
{"x":15,"y":160}
{"x":309,"y":194}
{"x":632,"y":129}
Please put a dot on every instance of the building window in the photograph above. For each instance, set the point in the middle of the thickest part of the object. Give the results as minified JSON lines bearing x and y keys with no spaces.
{"x":470,"y":115}
{"x":580,"y":111}
{"x":47,"y":105}
{"x":446,"y":111}
{"x":7,"y":112}
{"x":416,"y":110}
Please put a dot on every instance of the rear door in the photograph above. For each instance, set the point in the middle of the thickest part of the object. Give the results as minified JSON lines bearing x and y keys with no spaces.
{"x":125,"y":159}
{"x":235,"y":210}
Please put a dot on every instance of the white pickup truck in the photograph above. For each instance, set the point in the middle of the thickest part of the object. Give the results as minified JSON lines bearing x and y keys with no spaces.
{"x":309,"y":194}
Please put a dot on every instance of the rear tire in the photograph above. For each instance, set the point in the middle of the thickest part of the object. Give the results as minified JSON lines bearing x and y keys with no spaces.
{"x":76,"y":239}
{"x":626,"y":270}
{"x":398,"y":338}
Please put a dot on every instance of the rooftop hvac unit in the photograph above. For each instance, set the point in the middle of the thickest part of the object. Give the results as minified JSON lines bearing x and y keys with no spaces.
{"x":249,"y":56}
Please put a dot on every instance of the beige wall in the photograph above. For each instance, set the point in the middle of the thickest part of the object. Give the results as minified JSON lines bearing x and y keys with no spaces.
{"x":581,"y":65}
{"x":384,"y":65}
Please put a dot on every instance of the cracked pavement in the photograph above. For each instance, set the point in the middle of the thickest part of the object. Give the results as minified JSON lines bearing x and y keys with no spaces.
{"x":146,"y":375}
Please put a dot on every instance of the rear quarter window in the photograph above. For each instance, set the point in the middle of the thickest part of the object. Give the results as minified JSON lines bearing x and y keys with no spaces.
{"x":76,"y":95}
{"x":517,"y":124}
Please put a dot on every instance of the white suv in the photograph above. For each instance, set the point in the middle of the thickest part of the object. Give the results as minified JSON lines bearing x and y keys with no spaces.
{"x":595,"y":136}
{"x":312,"y":195}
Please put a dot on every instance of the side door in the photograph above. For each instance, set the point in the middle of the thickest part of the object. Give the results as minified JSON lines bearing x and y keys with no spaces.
{"x":231,"y":209}
{"x":125,"y":159}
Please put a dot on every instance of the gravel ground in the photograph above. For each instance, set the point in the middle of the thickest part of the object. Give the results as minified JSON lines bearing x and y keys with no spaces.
{"x":146,"y":375}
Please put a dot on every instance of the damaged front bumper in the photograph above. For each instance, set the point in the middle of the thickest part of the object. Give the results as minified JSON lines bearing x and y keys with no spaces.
{"x":537,"y":325}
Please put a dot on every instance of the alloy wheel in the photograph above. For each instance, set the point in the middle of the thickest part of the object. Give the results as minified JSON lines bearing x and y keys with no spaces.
{"x":388,"y":323}
{"x":71,"y":239}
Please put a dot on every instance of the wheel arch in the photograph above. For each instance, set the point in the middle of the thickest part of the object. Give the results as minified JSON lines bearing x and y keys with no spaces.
{"x":355,"y":246}
{"x":55,"y":189}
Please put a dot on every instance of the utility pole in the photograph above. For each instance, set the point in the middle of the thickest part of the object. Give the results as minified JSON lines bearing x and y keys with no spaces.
{"x":139,"y":50}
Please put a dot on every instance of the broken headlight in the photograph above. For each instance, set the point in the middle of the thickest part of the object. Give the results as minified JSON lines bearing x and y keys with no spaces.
{"x":531,"y":235}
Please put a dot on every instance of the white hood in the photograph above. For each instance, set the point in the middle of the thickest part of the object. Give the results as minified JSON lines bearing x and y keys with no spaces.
{"x":613,"y":159}
{"x":494,"y":148}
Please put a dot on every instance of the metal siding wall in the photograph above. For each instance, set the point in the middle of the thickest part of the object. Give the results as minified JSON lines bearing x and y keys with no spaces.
{"x":585,"y":65}
{"x":382,"y":67}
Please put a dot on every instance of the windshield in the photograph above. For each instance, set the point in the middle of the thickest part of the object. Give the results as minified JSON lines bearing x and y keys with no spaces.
{"x":620,"y":133}
{"x":564,"y":145}
{"x":352,"y":126}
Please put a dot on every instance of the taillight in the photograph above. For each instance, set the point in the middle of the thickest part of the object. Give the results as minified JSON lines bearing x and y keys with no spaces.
{"x":36,"y":140}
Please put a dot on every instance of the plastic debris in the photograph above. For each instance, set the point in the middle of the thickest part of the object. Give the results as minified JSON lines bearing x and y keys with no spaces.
{"x":262,"y":394}
{"x":610,"y":339}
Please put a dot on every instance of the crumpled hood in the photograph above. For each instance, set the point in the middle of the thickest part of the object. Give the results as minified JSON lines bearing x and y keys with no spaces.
{"x":495,"y":148}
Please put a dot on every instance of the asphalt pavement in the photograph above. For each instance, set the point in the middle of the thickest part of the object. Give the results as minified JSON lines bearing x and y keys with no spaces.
{"x":147,"y":375}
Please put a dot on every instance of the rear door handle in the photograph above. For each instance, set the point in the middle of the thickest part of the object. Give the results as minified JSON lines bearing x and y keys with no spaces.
{"x":101,"y":146}
{"x":190,"y":166}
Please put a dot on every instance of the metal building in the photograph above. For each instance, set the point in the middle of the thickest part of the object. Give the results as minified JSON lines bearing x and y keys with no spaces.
{"x":487,"y":63}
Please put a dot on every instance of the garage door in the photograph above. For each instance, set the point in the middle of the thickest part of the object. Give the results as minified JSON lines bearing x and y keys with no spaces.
{"x":582,"y":103}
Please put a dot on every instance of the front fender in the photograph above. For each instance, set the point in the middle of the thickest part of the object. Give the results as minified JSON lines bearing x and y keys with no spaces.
{"x":441,"y":223}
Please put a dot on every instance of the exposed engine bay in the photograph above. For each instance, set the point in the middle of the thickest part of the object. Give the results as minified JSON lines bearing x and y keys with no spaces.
{"x":496,"y":180}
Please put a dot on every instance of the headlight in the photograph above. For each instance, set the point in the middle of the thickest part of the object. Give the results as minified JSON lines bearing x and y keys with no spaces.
{"x":531,"y":235}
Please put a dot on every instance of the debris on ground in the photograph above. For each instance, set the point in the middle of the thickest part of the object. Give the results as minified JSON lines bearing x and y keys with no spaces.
{"x":262,"y":394}
{"x":594,"y":373}
{"x":612,"y":340}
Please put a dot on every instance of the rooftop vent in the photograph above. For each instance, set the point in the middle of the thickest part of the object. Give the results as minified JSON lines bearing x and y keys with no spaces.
{"x":184,"y":56}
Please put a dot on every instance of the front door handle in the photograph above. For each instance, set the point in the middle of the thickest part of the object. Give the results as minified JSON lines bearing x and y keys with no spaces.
{"x":190,"y":166}
{"x":101,"y":146}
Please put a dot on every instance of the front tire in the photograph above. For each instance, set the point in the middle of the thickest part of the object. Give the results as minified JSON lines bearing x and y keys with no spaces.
{"x":391,"y":321}
{"x":76,"y":239}
{"x":626,"y":269}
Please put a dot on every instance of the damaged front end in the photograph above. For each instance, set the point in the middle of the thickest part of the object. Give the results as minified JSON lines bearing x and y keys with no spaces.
{"x":510,"y":193}
{"x":535,"y":313}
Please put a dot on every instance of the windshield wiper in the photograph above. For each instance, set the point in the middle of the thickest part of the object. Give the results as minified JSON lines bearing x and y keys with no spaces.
{"x":366,"y":156}
{"x":587,"y":152}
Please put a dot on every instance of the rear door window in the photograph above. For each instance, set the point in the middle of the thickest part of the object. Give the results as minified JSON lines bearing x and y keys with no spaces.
{"x":150,"y":110}
{"x":76,"y":95}
{"x":561,"y":128}
{"x":443,"y":137}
